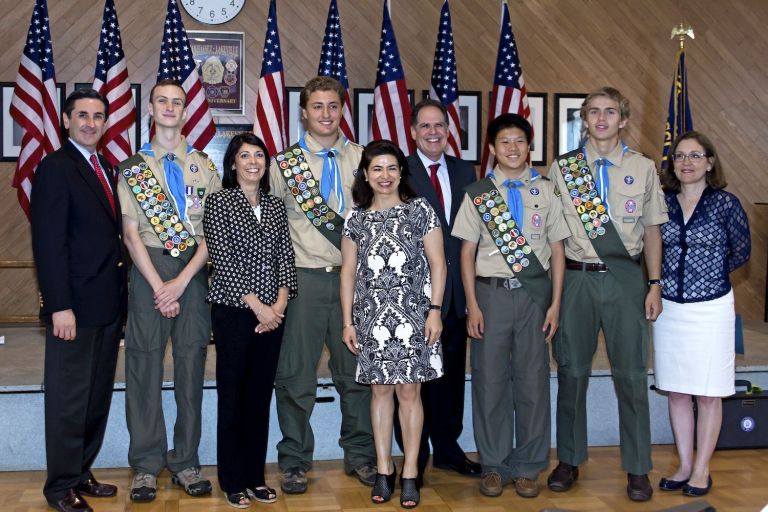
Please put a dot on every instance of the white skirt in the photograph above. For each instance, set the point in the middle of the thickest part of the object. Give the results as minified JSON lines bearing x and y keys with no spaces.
{"x":693,"y":347}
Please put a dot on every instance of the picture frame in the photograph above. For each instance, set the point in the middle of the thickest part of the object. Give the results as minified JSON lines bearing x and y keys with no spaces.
{"x":134,"y":132}
{"x":567,"y":122}
{"x":220,"y":60}
{"x":470,"y":126}
{"x":537,"y":102}
{"x":218,"y":144}
{"x":295,"y":124}
{"x":10,"y":131}
{"x":364,"y":113}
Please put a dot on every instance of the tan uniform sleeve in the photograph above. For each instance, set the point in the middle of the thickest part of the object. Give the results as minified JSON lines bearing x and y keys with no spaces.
{"x":466,"y":225}
{"x":655,"y":211}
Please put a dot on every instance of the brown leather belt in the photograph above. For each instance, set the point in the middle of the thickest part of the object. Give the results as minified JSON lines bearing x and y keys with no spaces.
{"x":588,"y":267}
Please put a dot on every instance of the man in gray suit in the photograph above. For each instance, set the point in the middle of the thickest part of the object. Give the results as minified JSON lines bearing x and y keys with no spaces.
{"x":441,"y":179}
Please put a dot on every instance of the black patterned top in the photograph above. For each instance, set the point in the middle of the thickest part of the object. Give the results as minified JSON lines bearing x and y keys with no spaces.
{"x":699,"y":255}
{"x":248,"y":255}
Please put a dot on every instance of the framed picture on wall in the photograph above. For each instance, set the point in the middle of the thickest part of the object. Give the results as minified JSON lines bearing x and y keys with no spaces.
{"x":10,"y":131}
{"x":134,"y":132}
{"x":568,"y":122}
{"x":219,"y":57}
{"x":218,"y":144}
{"x":295,"y":126}
{"x":364,"y":113}
{"x":537,"y":102}
{"x":470,"y":129}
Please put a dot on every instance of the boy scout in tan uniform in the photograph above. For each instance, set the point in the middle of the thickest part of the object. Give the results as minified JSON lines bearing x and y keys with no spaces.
{"x":605,"y":287}
{"x":314,"y":179}
{"x":166,"y":296}
{"x":512,"y":308}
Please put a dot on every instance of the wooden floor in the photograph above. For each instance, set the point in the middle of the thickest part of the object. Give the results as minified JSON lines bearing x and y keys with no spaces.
{"x":739,"y":486}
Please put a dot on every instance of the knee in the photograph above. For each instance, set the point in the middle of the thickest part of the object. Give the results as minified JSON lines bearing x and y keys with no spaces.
{"x":680,"y":399}
{"x":408,"y":394}
{"x":708,"y":402}
{"x":382,"y":392}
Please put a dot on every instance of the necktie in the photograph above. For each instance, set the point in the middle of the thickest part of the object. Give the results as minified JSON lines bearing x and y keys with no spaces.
{"x":104,"y":184}
{"x":515,"y":200}
{"x":603,"y":181}
{"x":331,"y":180}
{"x":436,"y":182}
{"x":175,"y":178}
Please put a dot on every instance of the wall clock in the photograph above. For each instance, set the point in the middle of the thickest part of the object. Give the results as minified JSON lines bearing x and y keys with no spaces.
{"x":213,"y":12}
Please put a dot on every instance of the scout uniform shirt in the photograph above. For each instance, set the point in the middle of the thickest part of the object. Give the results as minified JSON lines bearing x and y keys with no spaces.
{"x":200,"y":179}
{"x":543,"y":223}
{"x":635,"y":200}
{"x":312,"y":249}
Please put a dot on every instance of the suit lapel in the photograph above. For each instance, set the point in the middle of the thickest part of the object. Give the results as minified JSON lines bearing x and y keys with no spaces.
{"x":88,"y":174}
{"x":457,"y":190}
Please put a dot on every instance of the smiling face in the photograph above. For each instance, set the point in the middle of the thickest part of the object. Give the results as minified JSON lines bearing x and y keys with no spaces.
{"x":167,"y":106}
{"x":430,"y":132}
{"x":323,"y":114}
{"x":87,"y":123}
{"x":691,"y":162}
{"x":383,"y":175}
{"x":511,"y":151}
{"x":603,"y":119}
{"x":250,"y":164}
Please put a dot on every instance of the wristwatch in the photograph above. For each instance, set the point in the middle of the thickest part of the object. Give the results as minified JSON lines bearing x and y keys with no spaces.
{"x":435,"y":307}
{"x":654,"y":281}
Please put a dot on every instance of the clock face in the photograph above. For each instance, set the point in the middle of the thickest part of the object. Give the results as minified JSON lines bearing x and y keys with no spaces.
{"x":213,"y":12}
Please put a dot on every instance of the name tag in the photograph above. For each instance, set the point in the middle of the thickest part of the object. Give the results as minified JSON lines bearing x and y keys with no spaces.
{"x":534,"y":236}
{"x":629,"y":220}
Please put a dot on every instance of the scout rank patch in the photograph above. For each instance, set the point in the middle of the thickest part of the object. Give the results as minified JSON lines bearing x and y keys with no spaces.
{"x":158,"y":209}
{"x":581,"y":188}
{"x":304,"y":188}
{"x":503,"y":229}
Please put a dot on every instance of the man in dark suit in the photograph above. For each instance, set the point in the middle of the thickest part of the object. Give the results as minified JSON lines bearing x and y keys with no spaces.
{"x":441,"y":179}
{"x":80,"y":270}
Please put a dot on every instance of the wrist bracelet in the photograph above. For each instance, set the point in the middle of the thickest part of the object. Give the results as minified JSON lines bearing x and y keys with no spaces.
{"x":435,"y":307}
{"x":349,"y":325}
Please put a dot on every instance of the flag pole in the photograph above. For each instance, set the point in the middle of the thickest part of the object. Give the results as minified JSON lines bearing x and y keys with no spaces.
{"x":680,"y":32}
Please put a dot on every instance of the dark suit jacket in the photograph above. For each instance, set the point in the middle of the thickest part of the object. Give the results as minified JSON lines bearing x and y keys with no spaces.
{"x":461,"y":173}
{"x":76,"y":240}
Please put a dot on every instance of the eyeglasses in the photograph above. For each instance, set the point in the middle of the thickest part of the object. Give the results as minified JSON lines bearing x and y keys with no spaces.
{"x":693,"y":156}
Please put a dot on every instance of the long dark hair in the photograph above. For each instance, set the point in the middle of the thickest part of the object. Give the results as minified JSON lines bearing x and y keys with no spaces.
{"x":362,"y":193}
{"x":714,"y":176}
{"x":229,"y":180}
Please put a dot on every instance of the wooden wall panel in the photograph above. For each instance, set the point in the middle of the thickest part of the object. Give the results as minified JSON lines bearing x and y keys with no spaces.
{"x":565,"y":46}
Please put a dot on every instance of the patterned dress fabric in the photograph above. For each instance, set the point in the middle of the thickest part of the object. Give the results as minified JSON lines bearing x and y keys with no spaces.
{"x":393,"y":293}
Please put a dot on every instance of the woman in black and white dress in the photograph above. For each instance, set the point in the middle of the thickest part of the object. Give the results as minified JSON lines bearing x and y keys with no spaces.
{"x":254,"y":276}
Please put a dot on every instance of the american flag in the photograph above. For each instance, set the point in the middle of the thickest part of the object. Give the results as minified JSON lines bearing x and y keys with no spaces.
{"x":332,"y":64}
{"x":508,"y":93}
{"x":35,"y":102}
{"x":391,"y":104}
{"x":445,"y":85}
{"x":111,"y":80}
{"x":178,"y":63}
{"x":271,"y":122}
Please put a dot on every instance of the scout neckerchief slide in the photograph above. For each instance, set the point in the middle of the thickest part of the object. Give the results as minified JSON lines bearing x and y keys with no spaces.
{"x":305,"y":189}
{"x":512,"y":245}
{"x":155,"y":204}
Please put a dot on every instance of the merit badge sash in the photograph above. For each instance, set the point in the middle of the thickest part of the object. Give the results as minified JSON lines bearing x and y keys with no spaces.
{"x":306,"y":190}
{"x":159,"y":210}
{"x":512,"y":245}
{"x":594,"y":215}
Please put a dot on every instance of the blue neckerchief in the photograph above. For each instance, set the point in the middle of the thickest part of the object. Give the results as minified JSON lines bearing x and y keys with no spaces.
{"x":331,"y":180}
{"x":514,"y":198}
{"x":174,"y":177}
{"x":602,"y":180}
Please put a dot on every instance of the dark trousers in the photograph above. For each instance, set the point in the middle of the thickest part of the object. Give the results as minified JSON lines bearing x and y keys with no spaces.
{"x":79,"y":376}
{"x":246,"y":364}
{"x":443,"y":398}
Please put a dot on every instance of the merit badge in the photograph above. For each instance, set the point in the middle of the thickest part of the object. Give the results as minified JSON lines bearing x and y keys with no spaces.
{"x":630,"y":206}
{"x":629,"y":180}
{"x":536,"y":220}
{"x":535,"y":191}
{"x":193,"y":168}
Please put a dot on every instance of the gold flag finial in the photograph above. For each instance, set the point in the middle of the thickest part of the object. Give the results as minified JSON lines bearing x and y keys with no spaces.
{"x":679,"y":32}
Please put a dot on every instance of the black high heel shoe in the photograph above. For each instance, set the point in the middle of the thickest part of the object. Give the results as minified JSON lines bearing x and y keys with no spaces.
{"x":383,"y":487}
{"x":409,"y":492}
{"x":697,"y":492}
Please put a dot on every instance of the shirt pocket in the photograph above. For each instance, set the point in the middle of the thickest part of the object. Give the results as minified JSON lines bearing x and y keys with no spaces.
{"x":628,"y":200}
{"x":535,"y":217}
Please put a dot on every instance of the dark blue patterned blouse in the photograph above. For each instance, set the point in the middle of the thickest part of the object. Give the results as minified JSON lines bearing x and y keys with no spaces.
{"x":699,"y":255}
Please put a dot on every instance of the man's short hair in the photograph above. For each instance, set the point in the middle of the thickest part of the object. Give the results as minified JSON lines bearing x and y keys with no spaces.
{"x":321,"y":83}
{"x":429,"y":102}
{"x":84,"y":94}
{"x":163,"y":83}
{"x":608,"y":92}
{"x":509,"y":120}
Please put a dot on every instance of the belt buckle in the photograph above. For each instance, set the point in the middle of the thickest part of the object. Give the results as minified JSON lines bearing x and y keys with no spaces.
{"x":512,"y":283}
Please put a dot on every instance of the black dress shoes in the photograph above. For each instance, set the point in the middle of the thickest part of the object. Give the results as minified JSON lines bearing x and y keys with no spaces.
{"x":96,"y":489}
{"x":665,"y":484}
{"x":562,"y":477}
{"x":696,"y":492}
{"x":463,"y":466}
{"x":639,"y":487}
{"x":71,"y":502}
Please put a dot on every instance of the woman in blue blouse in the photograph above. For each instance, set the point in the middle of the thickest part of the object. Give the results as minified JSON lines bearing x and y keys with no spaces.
{"x":706,"y":238}
{"x":253,"y":277}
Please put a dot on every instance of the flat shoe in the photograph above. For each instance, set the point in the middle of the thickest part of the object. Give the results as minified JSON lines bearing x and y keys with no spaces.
{"x":665,"y":484}
{"x":696,"y":492}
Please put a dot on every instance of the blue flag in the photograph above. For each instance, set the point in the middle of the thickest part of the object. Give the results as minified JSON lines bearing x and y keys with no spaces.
{"x":679,"y":119}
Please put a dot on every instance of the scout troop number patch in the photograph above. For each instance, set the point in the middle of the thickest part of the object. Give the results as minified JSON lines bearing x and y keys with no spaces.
{"x":158,"y":209}
{"x":502,"y":227}
{"x":305,"y":189}
{"x":581,"y":188}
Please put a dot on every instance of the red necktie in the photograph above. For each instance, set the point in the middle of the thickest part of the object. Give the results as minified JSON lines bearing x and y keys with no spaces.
{"x":104,"y":184}
{"x":436,"y":183}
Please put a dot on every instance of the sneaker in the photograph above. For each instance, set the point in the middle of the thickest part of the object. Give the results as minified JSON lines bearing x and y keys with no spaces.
{"x":365,"y":472}
{"x":192,"y":482}
{"x":294,"y":481}
{"x":526,"y":487}
{"x":143,"y":487}
{"x":490,"y":484}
